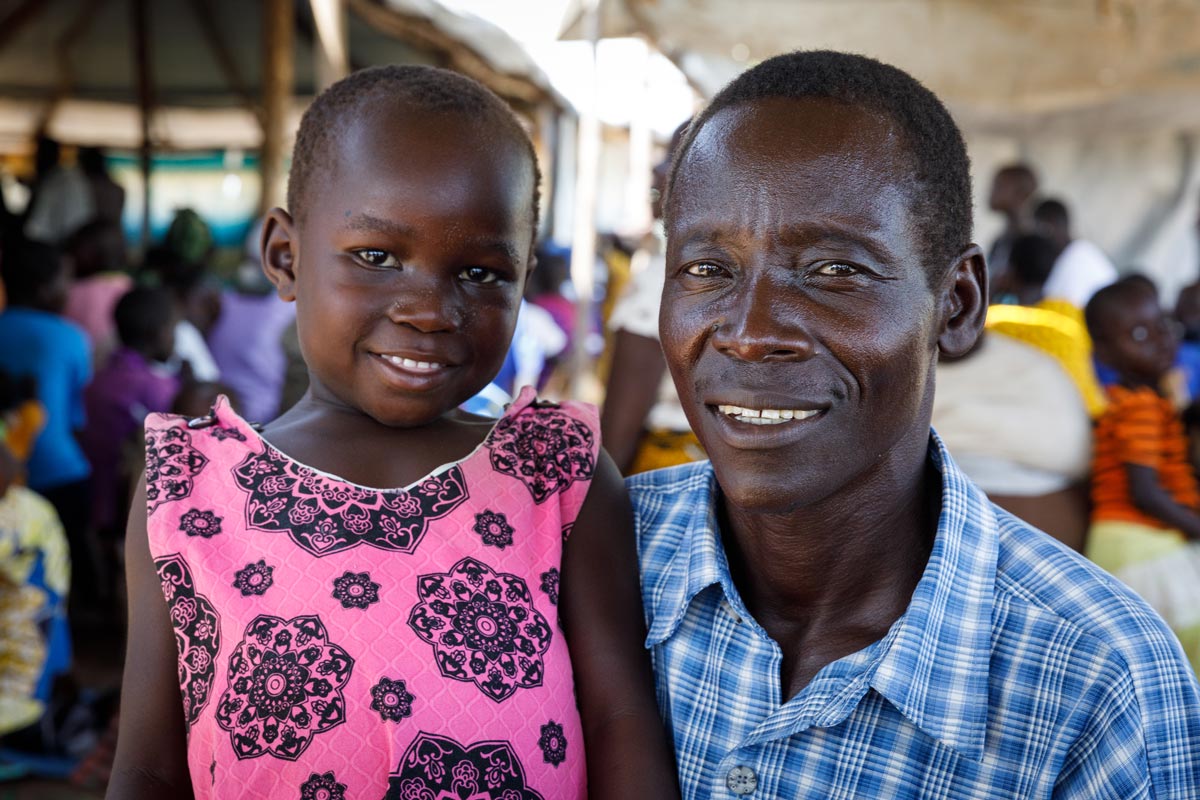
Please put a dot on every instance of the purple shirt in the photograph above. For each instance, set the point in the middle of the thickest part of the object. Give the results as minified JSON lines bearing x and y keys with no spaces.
{"x":118,"y":400}
{"x":247,"y":343}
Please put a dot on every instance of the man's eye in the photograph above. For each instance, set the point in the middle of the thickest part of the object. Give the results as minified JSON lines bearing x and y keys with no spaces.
{"x":377,"y":258}
{"x":478,"y":275}
{"x":703,"y":270}
{"x":837,"y":270}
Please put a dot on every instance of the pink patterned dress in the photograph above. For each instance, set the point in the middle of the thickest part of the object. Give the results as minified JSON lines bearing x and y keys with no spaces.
{"x":346,"y":643}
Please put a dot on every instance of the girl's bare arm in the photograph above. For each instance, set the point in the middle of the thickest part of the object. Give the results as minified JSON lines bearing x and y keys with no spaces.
{"x":151,"y":759}
{"x":628,"y":752}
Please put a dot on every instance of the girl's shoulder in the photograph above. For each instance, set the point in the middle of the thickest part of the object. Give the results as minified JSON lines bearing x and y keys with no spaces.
{"x":221,"y":423}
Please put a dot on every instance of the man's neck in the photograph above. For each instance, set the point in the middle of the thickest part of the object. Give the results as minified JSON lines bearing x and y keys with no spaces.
{"x":826,"y":580}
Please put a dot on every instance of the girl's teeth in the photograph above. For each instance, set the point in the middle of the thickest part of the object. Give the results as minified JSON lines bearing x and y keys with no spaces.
{"x":409,"y":363}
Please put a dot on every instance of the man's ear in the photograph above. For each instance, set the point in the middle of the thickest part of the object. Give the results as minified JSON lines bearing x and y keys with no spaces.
{"x":964,"y":304}
{"x":280,"y":252}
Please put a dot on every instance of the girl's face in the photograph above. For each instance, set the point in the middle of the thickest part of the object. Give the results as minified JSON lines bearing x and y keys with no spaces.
{"x":408,"y":263}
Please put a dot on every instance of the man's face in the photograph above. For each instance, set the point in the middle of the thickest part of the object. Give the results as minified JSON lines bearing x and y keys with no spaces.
{"x":796,"y":287}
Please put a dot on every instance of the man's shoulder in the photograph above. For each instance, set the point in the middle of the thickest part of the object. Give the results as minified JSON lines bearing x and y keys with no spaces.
{"x":1046,"y":583}
{"x":662,"y":491}
{"x":666,"y":502}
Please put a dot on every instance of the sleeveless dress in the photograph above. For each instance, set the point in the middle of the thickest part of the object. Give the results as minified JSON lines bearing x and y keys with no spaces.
{"x":347,"y":643}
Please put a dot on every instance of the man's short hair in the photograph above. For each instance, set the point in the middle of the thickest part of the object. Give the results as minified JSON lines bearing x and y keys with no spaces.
{"x":1020,"y":173}
{"x":941,"y":201}
{"x":419,"y":88}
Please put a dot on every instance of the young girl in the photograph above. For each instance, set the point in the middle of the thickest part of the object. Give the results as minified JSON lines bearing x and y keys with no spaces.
{"x":324,"y":638}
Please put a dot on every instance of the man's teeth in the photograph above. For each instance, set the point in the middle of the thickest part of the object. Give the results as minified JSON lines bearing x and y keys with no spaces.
{"x":408,"y":363}
{"x":765,"y":416}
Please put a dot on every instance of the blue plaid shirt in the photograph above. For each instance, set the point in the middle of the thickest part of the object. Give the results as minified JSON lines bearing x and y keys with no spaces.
{"x":1019,"y":670}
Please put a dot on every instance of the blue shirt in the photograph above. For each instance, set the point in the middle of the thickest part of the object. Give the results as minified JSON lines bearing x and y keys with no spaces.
{"x":1019,"y":670}
{"x":57,"y":354}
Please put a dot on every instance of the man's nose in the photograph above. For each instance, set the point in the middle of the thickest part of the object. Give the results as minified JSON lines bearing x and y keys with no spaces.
{"x":764,"y":324}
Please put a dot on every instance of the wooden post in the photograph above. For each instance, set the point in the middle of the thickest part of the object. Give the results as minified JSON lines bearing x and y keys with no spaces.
{"x":278,"y":77}
{"x":140,"y":10}
{"x":331,"y":51}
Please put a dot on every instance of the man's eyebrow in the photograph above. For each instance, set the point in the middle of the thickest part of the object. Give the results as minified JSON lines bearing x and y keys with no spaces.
{"x":801,"y":235}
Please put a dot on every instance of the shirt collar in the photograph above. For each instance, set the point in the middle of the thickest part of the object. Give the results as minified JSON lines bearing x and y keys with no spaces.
{"x":698,"y":560}
{"x":935,"y":668}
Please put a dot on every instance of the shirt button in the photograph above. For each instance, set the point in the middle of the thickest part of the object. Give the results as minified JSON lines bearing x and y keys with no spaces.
{"x":741,"y":780}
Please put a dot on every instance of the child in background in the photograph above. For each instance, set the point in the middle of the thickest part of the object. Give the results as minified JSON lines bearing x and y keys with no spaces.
{"x":297,"y":633}
{"x":1145,"y":498}
{"x":124,"y":391}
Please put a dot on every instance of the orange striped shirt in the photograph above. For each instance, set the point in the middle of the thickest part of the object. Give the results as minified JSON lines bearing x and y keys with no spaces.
{"x":1140,"y":427}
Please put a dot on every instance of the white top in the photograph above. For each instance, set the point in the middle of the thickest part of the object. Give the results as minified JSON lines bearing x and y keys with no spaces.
{"x":1013,"y":419}
{"x":1081,"y":270}
{"x":191,"y":347}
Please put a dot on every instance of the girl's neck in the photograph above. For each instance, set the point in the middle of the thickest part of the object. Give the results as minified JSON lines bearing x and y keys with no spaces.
{"x":332,"y":437}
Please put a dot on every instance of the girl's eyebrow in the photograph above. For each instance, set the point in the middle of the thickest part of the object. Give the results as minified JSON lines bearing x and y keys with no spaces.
{"x":372,"y":224}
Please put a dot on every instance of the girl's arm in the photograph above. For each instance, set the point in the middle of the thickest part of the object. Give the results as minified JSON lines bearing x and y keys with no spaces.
{"x":1151,"y":498}
{"x":628,"y":752}
{"x":151,"y":759}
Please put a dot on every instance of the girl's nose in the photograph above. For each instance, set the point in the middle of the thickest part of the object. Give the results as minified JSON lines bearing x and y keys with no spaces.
{"x":425,"y":307}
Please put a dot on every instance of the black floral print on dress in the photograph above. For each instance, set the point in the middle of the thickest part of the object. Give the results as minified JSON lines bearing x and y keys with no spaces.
{"x":436,"y":767}
{"x":222,"y":433}
{"x":391,"y":699}
{"x":283,"y":690}
{"x":550,"y":585}
{"x":171,"y":464}
{"x":355,"y":590}
{"x":544,"y":448}
{"x":197,"y":634}
{"x":483,"y":628}
{"x":254,"y":579}
{"x":324,"y":515}
{"x":553,"y":743}
{"x":494,"y":529}
{"x":205,"y":524}
{"x":322,"y":787}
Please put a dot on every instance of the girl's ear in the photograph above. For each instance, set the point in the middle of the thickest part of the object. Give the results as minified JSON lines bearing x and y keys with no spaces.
{"x":280,"y":252}
{"x":964,"y":304}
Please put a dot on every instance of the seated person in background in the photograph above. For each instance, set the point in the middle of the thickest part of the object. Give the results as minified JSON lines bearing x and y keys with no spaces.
{"x":35,"y":567}
{"x":131,"y":385}
{"x":98,"y":253}
{"x":198,"y":303}
{"x":38,"y":343}
{"x":1146,"y":501}
{"x":1080,"y":267}
{"x":1018,"y":425}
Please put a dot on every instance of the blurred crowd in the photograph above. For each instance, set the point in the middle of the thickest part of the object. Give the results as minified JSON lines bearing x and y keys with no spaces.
{"x":1078,"y":411}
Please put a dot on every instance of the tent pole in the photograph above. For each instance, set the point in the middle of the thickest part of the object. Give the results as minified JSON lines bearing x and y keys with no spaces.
{"x":583,"y":240}
{"x":140,"y":10}
{"x":278,"y":74}
{"x":331,"y":56}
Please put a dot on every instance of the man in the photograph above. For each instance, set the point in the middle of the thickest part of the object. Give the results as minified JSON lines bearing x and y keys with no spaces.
{"x":1013,"y":188}
{"x":1080,"y":267}
{"x":834,"y":610}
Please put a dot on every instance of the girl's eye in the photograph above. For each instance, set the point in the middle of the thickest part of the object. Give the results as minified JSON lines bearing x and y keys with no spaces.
{"x":478,"y":275}
{"x":837,"y":270}
{"x":377,"y":258}
{"x":703,"y":270}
